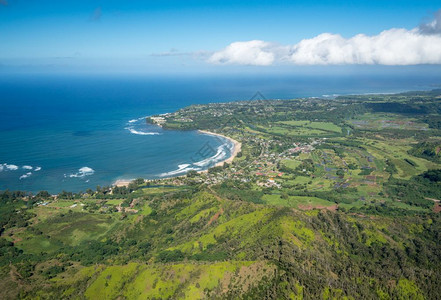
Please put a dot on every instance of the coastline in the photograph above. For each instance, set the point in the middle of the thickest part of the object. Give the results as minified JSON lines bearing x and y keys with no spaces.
{"x":122,"y":182}
{"x":237,"y":146}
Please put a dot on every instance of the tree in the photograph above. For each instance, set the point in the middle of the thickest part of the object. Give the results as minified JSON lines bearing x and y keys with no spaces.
{"x":43,"y":195}
{"x":341,"y":173}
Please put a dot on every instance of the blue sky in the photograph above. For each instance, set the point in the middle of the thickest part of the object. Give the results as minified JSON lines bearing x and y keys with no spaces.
{"x":184,"y":35}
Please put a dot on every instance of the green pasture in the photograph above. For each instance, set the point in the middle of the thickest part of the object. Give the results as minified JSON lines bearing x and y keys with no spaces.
{"x":326,"y":126}
{"x":295,"y":201}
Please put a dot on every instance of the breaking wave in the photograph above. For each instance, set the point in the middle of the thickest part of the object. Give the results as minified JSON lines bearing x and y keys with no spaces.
{"x":184,"y":168}
{"x":131,"y":127}
{"x":28,"y":174}
{"x":141,"y":132}
{"x":7,"y":167}
{"x":220,"y":155}
{"x":82,"y":172}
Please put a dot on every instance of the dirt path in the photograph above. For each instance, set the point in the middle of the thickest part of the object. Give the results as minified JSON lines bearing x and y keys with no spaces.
{"x":216,"y":216}
{"x":434,"y":200}
{"x":221,"y":210}
{"x":15,"y":276}
{"x":310,"y":207}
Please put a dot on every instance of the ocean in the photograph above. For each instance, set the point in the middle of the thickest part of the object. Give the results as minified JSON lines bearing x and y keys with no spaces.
{"x":74,"y":132}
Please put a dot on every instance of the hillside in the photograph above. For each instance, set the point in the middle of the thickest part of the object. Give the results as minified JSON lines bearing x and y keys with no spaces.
{"x":328,"y":199}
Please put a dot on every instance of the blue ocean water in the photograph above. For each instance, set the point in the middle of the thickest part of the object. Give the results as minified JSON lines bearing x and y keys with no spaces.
{"x":72,"y":132}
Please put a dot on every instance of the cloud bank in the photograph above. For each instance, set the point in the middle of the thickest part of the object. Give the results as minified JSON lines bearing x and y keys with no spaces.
{"x":396,"y":46}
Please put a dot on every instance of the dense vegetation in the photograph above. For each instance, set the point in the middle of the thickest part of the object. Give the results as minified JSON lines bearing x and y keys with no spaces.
{"x":427,"y":150}
{"x":328,"y":199}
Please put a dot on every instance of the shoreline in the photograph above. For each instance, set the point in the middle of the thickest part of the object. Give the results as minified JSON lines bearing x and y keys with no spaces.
{"x":237,"y":147}
{"x":122,"y":182}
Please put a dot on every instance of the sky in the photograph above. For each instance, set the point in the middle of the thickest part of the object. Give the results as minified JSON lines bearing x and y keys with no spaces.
{"x":218,"y":36}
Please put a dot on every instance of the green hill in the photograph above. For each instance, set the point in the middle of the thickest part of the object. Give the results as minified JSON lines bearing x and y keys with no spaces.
{"x":202,"y":245}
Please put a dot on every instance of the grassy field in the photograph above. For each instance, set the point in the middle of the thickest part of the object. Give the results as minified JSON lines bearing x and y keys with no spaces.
{"x":379,"y":121}
{"x":293,"y":131}
{"x":291,"y":163}
{"x":296,"y":201}
{"x":65,"y":229}
{"x":397,"y":152}
{"x":162,"y":189}
{"x":115,"y":202}
{"x":326,"y":126}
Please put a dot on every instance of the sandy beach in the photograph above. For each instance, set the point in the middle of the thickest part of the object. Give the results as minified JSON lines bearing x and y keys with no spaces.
{"x":236,"y":149}
{"x":122,"y":182}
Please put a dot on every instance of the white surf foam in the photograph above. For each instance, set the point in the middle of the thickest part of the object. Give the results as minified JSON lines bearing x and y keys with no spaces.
{"x":198,"y":166}
{"x":184,"y":168}
{"x":136,"y":120}
{"x":28,"y":174}
{"x":141,"y":132}
{"x":220,"y":155}
{"x":7,"y":167}
{"x":131,"y":127}
{"x":82,"y":172}
{"x":87,"y":171}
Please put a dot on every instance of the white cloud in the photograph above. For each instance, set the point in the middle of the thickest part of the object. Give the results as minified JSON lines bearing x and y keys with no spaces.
{"x":255,"y":52}
{"x":395,"y":46}
{"x":390,"y":47}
